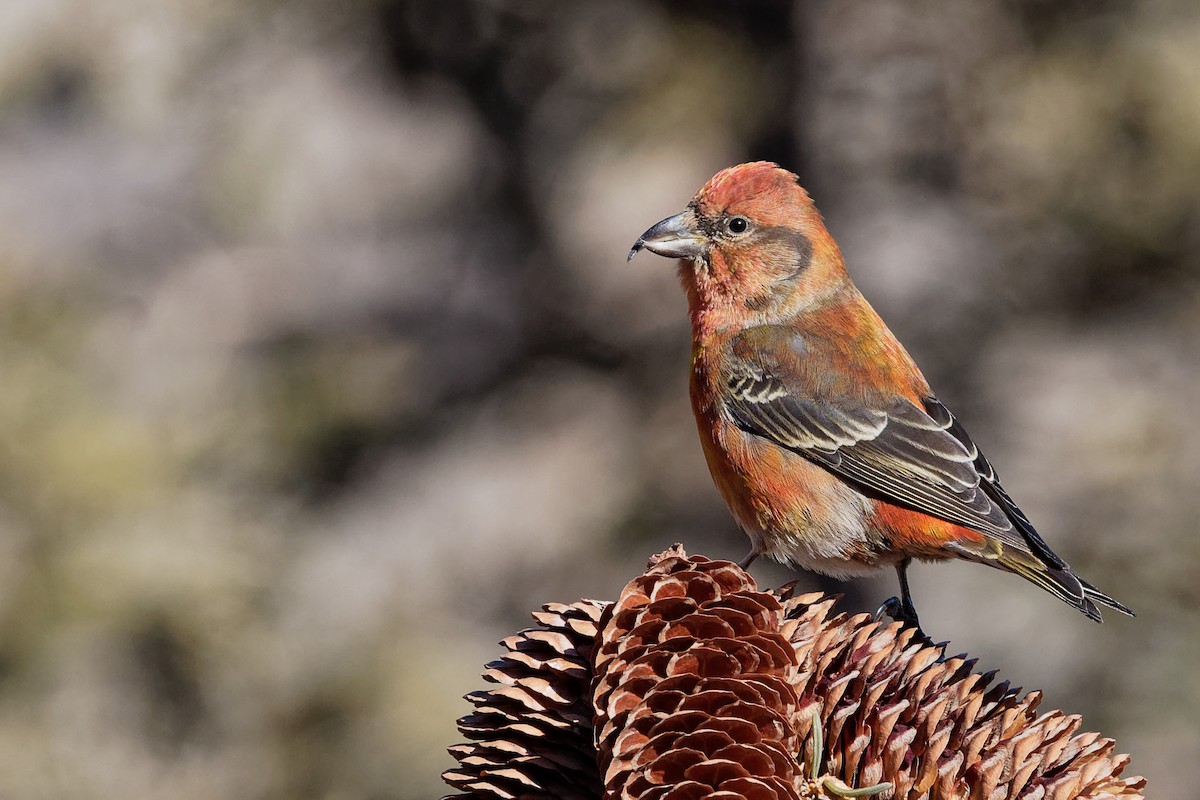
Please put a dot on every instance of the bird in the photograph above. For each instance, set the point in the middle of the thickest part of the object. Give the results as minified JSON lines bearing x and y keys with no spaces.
{"x":821,"y":434}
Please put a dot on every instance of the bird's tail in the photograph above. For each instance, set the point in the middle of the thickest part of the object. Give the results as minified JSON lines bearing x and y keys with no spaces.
{"x":1092,"y":593}
{"x":1060,"y":582}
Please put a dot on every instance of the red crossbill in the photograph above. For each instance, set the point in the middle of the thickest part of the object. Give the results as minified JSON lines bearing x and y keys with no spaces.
{"x":821,"y":434}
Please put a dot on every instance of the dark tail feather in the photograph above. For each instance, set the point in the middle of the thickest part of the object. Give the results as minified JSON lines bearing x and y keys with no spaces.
{"x":1060,"y":582}
{"x":1092,"y":593}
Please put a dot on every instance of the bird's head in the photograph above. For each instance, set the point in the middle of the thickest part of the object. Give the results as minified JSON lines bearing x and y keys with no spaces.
{"x":751,"y":245}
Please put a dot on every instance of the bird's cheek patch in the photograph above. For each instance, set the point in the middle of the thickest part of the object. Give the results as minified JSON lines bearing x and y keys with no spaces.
{"x":799,"y":248}
{"x":785,"y":255}
{"x":757,"y":302}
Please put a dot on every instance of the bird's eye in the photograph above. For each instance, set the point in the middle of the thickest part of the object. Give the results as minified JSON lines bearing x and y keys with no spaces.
{"x":737,"y":224}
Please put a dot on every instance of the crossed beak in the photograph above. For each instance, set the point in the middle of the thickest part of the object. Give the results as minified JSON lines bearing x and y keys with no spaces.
{"x":674,"y":237}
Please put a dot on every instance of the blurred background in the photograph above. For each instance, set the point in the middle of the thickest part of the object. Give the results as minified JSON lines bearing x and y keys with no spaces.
{"x":321,"y":365}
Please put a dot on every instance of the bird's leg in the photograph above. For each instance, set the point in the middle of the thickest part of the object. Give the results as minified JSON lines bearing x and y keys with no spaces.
{"x":907,"y":609}
{"x":901,"y":608}
{"x":749,"y":559}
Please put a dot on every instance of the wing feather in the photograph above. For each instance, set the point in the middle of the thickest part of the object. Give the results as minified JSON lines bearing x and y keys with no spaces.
{"x":909,"y":455}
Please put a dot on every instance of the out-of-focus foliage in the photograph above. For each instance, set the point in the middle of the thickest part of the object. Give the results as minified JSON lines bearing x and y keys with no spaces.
{"x":320,"y":361}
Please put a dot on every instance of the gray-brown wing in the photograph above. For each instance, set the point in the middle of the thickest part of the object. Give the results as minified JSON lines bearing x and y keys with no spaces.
{"x":899,"y":453}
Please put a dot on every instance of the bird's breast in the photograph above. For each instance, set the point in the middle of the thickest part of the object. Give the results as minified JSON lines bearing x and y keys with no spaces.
{"x":792,"y":509}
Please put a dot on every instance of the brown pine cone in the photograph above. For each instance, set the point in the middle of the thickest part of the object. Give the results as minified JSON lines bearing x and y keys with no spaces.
{"x":532,"y":735}
{"x":694,"y":686}
{"x":898,"y":711}
{"x":704,"y":686}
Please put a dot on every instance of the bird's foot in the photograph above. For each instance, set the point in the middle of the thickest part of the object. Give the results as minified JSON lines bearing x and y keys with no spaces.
{"x":748,"y":560}
{"x":894,"y":607}
{"x":905,"y":614}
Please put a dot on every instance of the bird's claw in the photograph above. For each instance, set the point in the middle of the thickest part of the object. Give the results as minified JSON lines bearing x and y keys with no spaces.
{"x":894,"y":608}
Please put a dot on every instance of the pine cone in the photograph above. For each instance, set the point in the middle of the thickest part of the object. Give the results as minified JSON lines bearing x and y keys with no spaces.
{"x":532,"y":735}
{"x":705,"y":686}
{"x":903,"y":712}
{"x":694,"y":691}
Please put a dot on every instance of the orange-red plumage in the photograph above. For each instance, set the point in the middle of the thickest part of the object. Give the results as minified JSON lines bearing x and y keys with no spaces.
{"x":821,"y":434}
